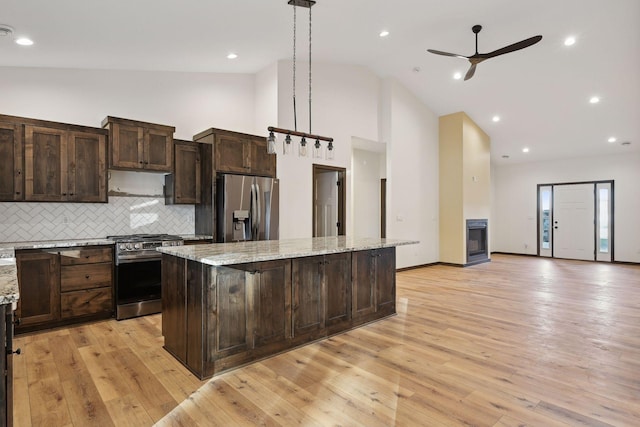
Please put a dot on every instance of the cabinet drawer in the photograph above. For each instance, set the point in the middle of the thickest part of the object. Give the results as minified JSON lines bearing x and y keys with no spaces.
{"x":85,"y":256}
{"x":87,"y":276}
{"x":85,"y":302}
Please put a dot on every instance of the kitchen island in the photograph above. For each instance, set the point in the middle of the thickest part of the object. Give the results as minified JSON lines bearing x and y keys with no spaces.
{"x":229,"y":304}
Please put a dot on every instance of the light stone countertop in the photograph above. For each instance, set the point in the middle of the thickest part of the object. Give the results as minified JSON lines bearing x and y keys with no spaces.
{"x":8,"y":277}
{"x":48,"y":244}
{"x":218,"y":254}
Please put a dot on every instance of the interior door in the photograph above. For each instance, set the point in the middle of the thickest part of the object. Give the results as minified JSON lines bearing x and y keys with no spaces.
{"x":326,"y":204}
{"x":573,"y":221}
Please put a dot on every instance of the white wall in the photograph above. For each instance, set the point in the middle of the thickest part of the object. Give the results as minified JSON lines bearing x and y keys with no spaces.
{"x":411,"y":131}
{"x":192,"y":102}
{"x":366,"y":193}
{"x":515,"y":195}
{"x":345,"y":104}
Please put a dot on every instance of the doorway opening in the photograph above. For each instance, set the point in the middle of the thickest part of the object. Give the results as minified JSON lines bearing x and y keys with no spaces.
{"x":575,"y":220}
{"x":329,"y":199}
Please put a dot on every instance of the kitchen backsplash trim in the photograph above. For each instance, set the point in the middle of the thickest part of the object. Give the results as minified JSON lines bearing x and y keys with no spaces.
{"x":30,"y":221}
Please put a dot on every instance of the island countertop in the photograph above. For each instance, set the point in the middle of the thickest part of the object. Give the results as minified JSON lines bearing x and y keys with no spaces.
{"x":218,"y":254}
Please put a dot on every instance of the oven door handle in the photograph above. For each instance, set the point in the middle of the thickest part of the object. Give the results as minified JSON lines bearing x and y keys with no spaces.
{"x":137,"y":259}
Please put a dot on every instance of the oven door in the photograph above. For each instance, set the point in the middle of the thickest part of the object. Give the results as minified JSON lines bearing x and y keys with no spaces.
{"x":138,"y":288}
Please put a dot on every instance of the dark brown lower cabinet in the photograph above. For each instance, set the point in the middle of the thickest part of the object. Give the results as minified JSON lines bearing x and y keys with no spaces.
{"x":217,"y":318}
{"x":6,"y":360}
{"x":59,"y":286}
{"x":39,"y":283}
{"x":374,"y":284}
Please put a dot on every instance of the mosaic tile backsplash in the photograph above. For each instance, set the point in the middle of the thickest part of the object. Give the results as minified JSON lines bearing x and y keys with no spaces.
{"x":122,"y":215}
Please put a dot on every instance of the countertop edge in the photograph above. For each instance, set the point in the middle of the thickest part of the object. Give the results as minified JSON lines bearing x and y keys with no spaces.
{"x":247,"y":252}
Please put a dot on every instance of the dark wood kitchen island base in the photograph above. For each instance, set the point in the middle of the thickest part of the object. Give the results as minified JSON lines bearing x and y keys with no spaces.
{"x":218,"y":317}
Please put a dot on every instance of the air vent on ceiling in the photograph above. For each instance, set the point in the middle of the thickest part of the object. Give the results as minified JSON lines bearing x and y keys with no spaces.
{"x":5,"y":30}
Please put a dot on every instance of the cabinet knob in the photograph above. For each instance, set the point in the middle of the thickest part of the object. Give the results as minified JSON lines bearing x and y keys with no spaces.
{"x":64,"y":194}
{"x":18,"y":351}
{"x":17,"y":321}
{"x":71,"y":194}
{"x":18,"y":172}
{"x":87,"y":276}
{"x":141,"y":162}
{"x":17,"y":192}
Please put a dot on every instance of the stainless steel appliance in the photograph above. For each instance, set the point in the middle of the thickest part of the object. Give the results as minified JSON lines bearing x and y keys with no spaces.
{"x":247,"y":208}
{"x":138,"y":273}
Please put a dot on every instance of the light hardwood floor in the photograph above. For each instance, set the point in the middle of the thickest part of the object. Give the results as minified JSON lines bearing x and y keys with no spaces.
{"x":518,"y":341}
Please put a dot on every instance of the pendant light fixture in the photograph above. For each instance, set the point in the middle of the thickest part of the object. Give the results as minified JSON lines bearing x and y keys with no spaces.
{"x":302,"y":149}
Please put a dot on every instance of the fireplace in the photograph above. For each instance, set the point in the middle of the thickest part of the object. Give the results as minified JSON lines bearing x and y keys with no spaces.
{"x":477,"y":244}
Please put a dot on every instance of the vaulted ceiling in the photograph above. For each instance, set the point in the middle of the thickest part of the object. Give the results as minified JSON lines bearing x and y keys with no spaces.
{"x":540,"y":93}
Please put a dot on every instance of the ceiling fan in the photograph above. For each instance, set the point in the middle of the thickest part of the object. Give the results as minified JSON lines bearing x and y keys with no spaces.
{"x":477,"y":58}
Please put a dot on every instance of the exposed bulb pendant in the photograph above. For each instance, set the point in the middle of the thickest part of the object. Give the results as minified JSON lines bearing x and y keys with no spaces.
{"x":302,"y":150}
{"x":271,"y":143}
{"x":317,"y":150}
{"x":286,"y":145}
{"x":330,"y":153}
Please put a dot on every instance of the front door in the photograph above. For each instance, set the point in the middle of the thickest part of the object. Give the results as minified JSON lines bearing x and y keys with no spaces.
{"x":573,"y":221}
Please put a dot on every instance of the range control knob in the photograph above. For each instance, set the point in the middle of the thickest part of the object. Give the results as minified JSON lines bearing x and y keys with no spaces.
{"x":137,"y":246}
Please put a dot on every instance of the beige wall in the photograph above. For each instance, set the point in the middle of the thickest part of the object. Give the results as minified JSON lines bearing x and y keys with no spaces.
{"x":465,"y":182}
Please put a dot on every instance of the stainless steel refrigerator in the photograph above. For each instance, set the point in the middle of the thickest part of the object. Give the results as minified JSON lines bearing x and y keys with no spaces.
{"x":247,"y":208}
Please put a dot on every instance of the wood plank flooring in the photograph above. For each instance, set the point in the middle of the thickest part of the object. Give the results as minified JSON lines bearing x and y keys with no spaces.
{"x":520,"y":341}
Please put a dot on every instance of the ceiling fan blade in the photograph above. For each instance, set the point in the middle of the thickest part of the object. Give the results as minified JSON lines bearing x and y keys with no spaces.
{"x":439,"y":52}
{"x":513,"y":47}
{"x":471,"y":72}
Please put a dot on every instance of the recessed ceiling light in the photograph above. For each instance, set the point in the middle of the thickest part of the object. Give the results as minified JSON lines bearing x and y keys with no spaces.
{"x":232,"y":56}
{"x":570,"y":41}
{"x":384,"y":33}
{"x":496,"y":118}
{"x":457,"y":75}
{"x":594,"y":100}
{"x":525,"y":150}
{"x":23,"y":41}
{"x":612,"y":139}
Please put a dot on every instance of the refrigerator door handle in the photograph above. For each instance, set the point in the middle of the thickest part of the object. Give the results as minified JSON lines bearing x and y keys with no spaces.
{"x":258,"y":211}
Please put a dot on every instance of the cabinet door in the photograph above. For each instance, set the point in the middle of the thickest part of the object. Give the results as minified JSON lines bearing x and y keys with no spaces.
{"x":46,"y":160}
{"x":39,"y":284}
{"x":187,"y":174}
{"x":337,"y":278}
{"x":87,"y":180}
{"x":386,"y":280}
{"x":364,"y":283}
{"x":232,"y":329}
{"x":262,"y":163}
{"x":126,"y":146}
{"x":232,"y":154}
{"x":174,"y":309}
{"x":272,"y":302}
{"x":308,"y":310}
{"x":158,"y":150}
{"x":11,"y":178}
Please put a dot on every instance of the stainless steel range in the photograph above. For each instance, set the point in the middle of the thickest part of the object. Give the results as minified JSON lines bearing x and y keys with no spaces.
{"x":138,"y":273}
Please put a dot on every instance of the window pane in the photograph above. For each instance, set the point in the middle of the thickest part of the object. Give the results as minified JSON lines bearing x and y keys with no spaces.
{"x":603,"y":219}
{"x":546,"y":219}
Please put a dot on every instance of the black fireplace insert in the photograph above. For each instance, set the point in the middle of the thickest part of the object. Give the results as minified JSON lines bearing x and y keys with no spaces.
{"x":477,"y":241}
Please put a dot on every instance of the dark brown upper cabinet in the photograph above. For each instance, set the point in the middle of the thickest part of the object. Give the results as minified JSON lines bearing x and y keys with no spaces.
{"x":183,"y":185}
{"x":140,"y":146}
{"x":11,"y":162}
{"x":239,"y":153}
{"x":52,"y":162}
